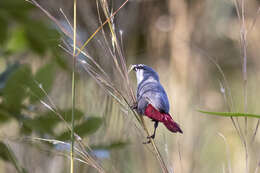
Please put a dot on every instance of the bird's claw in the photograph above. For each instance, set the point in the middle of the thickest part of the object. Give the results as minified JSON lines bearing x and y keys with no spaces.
{"x":147,"y":142}
{"x":134,"y":106}
{"x":151,"y":137}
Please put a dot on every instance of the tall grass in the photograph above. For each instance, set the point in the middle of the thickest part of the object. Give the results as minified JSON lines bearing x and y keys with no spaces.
{"x":73,"y":85}
{"x":242,"y":131}
{"x":240,"y":10}
{"x":123,"y":92}
{"x":120,"y":89}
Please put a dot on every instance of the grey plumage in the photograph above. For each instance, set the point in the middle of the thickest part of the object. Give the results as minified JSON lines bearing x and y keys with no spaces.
{"x":150,"y":90}
{"x":152,"y":99}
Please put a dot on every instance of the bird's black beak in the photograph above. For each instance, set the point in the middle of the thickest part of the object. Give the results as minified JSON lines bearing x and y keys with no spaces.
{"x":132,"y":67}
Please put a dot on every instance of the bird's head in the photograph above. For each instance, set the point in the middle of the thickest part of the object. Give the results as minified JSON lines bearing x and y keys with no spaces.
{"x":144,"y":72}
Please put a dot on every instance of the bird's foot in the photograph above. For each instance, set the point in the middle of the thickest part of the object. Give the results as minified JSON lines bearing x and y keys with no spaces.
{"x":147,"y":142}
{"x":134,"y":106}
{"x":149,"y":139}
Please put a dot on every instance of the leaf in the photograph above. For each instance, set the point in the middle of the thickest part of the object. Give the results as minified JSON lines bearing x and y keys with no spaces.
{"x":4,"y":152}
{"x":3,"y":29}
{"x":42,"y":125}
{"x":16,"y":8}
{"x":6,"y":74}
{"x":87,"y":127}
{"x":7,"y":155}
{"x":45,"y":77}
{"x":230,"y":114}
{"x":46,"y":123}
{"x":17,"y":41}
{"x":37,"y":32}
{"x":60,"y":60}
{"x":15,"y":90}
{"x":4,"y":116}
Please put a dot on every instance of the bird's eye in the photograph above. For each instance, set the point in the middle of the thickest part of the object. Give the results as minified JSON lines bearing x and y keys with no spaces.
{"x":137,"y":68}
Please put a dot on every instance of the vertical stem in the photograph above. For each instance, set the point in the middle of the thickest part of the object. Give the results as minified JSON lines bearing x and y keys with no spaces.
{"x":244,"y":46}
{"x":73,"y":90}
{"x":158,"y":154}
{"x":243,"y":41}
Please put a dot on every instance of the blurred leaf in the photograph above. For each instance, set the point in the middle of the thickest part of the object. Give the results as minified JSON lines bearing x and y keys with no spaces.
{"x":15,"y":90}
{"x":6,"y":74}
{"x":4,"y":116}
{"x":25,"y":129}
{"x":67,"y":114}
{"x":3,"y":29}
{"x":40,"y":36}
{"x":43,"y":125}
{"x":87,"y":127}
{"x":16,"y":8}
{"x":113,"y":145}
{"x":46,"y":123}
{"x":17,"y":41}
{"x":60,"y":60}
{"x":45,"y":77}
{"x":231,"y":114}
{"x":4,"y":152}
{"x":7,"y":155}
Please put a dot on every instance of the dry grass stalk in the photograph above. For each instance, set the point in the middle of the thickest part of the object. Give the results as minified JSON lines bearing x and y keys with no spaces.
{"x":124,"y":94}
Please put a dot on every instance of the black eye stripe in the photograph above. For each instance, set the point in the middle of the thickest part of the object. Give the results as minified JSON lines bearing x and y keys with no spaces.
{"x":140,"y":67}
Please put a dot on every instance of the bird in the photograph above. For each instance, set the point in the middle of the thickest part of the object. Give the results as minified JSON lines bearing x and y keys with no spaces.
{"x":152,"y":100}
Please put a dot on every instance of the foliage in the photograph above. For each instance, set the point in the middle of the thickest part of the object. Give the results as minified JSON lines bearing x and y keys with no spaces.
{"x":21,"y":90}
{"x":7,"y":154}
{"x":231,"y":114}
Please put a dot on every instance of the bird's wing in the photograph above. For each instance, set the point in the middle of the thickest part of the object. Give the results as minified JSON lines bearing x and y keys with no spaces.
{"x":153,"y":93}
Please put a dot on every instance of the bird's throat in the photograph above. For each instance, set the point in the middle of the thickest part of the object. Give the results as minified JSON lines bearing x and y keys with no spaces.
{"x":139,"y":76}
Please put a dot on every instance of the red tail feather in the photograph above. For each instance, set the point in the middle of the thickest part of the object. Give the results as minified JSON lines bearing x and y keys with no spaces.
{"x":166,"y":119}
{"x":171,"y":125}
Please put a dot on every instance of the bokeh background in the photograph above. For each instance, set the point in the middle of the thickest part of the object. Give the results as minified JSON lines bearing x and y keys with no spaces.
{"x":194,"y":46}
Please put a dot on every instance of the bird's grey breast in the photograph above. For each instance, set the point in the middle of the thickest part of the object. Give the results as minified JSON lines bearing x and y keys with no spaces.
{"x":152,"y":92}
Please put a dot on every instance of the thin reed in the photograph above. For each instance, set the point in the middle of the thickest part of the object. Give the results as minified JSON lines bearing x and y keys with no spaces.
{"x":73,"y":85}
{"x":123,"y":93}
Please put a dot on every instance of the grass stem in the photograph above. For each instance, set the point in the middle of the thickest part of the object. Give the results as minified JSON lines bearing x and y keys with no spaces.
{"x":73,"y":87}
{"x":158,"y":154}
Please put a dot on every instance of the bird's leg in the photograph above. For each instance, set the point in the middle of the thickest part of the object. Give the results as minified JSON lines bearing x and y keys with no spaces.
{"x":153,"y":135}
{"x":155,"y":127}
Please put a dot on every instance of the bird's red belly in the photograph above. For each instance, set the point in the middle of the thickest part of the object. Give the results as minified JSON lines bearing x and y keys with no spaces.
{"x":166,"y":119}
{"x":153,"y":113}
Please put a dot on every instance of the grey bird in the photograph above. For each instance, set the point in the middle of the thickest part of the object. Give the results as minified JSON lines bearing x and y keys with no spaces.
{"x":152,"y":99}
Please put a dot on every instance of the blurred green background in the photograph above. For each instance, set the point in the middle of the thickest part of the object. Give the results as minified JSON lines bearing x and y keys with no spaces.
{"x":184,"y":41}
